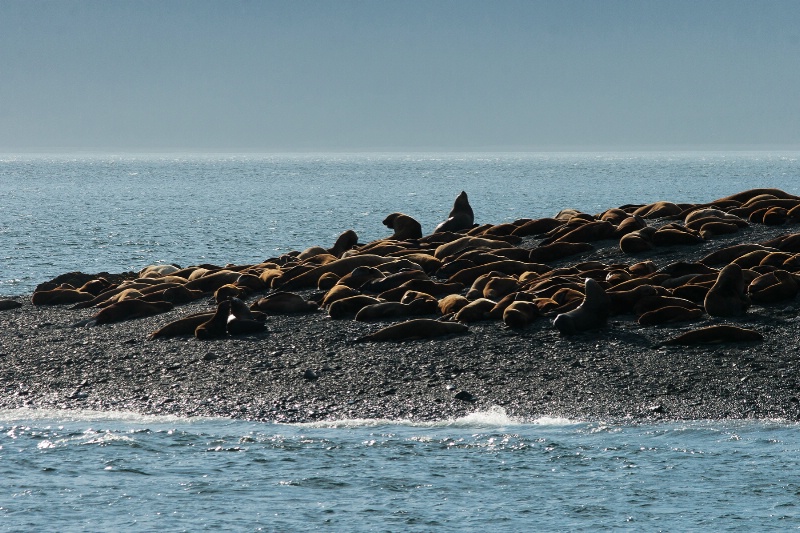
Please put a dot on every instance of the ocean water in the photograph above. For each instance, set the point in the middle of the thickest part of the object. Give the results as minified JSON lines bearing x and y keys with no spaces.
{"x":83,"y":471}
{"x":86,"y":471}
{"x":93,"y":213}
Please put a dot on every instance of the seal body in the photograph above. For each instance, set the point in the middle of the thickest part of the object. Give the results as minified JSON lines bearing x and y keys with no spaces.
{"x":727,"y":297}
{"x":418,"y":328}
{"x":460,"y":218}
{"x":592,"y":313}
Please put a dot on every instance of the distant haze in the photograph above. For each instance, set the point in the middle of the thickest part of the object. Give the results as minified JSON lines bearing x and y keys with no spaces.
{"x":405,"y":75}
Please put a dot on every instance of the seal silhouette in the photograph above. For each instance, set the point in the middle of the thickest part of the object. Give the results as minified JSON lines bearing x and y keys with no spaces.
{"x":461,"y":216}
{"x":715,"y":334}
{"x":727,"y":296}
{"x":404,"y":226}
{"x":418,"y":328}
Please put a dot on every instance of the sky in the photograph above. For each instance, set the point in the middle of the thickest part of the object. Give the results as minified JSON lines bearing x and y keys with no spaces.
{"x":410,"y":75}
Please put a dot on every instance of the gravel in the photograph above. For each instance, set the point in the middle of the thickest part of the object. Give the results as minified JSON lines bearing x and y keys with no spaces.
{"x":308,"y":367}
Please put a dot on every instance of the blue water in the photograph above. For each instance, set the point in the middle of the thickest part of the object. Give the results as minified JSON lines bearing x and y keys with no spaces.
{"x":116,"y":213}
{"x":84,"y":471}
{"x":78,"y":471}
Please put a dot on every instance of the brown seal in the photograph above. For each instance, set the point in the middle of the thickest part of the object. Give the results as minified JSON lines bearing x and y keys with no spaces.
{"x":418,"y":328}
{"x":590,"y":314}
{"x":658,"y":210}
{"x":217,"y":326}
{"x":727,"y":297}
{"x":636,"y":241}
{"x":183,"y":326}
{"x":538,"y":226}
{"x":777,"y":286}
{"x":345,"y":242}
{"x":596,"y":230}
{"x":452,"y":303}
{"x":126,"y":310}
{"x":384,"y":310}
{"x":242,"y":321}
{"x":404,"y":226}
{"x":283,"y":303}
{"x":520,"y":313}
{"x":350,"y":306}
{"x":475,"y":311}
{"x":60,"y":296}
{"x":460,"y":218}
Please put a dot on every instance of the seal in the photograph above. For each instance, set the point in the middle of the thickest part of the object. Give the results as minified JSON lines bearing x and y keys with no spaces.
{"x":158,"y":271}
{"x":350,"y":306}
{"x":418,"y":328}
{"x":475,"y":311}
{"x":538,"y":226}
{"x":658,"y":210}
{"x":596,"y":230}
{"x":344,"y":243}
{"x":727,"y":296}
{"x":557,"y":250}
{"x":460,"y":218}
{"x":340,"y":267}
{"x":452,"y":303}
{"x":212,"y":281}
{"x":422,"y":285}
{"x":592,"y":313}
{"x":669,"y":314}
{"x":520,"y":313}
{"x":217,"y":326}
{"x":359,"y":276}
{"x":404,"y":226}
{"x":242,"y":321}
{"x":715,"y":335}
{"x":60,"y":296}
{"x":183,"y":326}
{"x":384,"y":310}
{"x":447,"y":251}
{"x":773,"y":287}
{"x":283,"y":303}
{"x":730,"y":253}
{"x":640,"y":240}
{"x":126,"y":310}
{"x":8,"y":304}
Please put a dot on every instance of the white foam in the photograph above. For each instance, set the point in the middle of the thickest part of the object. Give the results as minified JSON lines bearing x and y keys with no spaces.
{"x":494,"y":417}
{"x":89,"y":415}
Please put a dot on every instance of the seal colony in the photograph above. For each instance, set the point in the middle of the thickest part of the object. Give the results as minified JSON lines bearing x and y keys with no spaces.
{"x":420,"y":307}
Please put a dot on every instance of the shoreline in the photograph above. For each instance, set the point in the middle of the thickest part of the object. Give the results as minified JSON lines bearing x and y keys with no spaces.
{"x":616,"y":373}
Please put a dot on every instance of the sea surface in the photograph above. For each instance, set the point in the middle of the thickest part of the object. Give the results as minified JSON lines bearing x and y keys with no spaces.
{"x":90,"y":471}
{"x":100,"y":212}
{"x":83,"y":471}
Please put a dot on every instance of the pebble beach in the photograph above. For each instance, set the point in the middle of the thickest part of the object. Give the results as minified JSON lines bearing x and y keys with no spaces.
{"x":309,"y":367}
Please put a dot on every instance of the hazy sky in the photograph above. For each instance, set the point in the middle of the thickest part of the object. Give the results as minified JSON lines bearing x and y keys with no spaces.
{"x":340,"y":75}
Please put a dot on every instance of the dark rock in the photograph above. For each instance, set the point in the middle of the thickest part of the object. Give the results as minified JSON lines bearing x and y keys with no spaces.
{"x":465,"y":396}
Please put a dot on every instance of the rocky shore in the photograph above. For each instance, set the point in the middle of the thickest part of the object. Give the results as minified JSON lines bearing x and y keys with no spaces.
{"x":308,"y":367}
